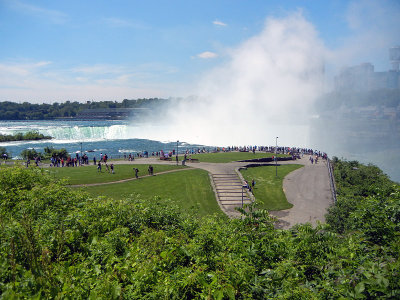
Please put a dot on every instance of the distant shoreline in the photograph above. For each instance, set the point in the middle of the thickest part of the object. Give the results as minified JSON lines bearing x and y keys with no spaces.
{"x":28,"y":136}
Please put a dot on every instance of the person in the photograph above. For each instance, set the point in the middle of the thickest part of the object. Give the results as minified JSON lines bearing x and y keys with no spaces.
{"x":112,"y":168}
{"x":136,"y":172}
{"x":107,"y":168}
{"x":94,"y":160}
{"x":150,"y":170}
{"x":99,"y":167}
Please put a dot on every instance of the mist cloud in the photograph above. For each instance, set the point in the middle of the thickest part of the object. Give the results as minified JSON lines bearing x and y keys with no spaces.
{"x":374,"y":28}
{"x":266,"y":89}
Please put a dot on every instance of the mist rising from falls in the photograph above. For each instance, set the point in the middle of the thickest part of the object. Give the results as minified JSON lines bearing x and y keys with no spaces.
{"x":266,"y":89}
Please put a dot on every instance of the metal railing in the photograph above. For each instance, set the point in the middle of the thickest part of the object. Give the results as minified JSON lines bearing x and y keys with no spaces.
{"x":331,"y":180}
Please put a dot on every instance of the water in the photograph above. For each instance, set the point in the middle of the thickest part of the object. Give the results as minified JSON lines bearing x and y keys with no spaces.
{"x":114,"y":138}
{"x":119,"y":138}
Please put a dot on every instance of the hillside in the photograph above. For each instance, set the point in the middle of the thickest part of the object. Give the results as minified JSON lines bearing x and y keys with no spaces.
{"x":59,"y":243}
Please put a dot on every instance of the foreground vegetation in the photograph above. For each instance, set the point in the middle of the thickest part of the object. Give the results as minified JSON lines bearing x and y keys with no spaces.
{"x":56,"y":242}
{"x":268,"y":189}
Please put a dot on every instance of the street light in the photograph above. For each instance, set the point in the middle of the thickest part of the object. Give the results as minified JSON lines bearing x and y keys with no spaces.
{"x":177,"y":152}
{"x":276,"y":159}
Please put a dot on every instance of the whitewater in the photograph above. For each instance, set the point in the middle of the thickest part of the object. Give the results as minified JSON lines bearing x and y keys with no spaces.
{"x":116,"y":138}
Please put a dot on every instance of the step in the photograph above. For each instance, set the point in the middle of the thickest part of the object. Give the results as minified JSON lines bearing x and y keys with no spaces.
{"x":227,"y":181}
{"x":238,"y":204}
{"x":234,"y":199}
{"x":233,"y":193}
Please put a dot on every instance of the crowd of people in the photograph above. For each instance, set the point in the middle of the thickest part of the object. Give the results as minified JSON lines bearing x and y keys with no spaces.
{"x":80,"y":160}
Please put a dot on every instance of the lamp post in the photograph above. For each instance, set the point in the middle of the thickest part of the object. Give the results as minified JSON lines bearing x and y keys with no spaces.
{"x":276,"y":159}
{"x":177,"y":152}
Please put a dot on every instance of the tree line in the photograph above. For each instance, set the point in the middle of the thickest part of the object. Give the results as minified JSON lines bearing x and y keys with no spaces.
{"x":29,"y":111}
{"x":28,"y":136}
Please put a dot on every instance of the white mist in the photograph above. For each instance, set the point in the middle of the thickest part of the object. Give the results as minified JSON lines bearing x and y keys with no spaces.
{"x":266,"y":89}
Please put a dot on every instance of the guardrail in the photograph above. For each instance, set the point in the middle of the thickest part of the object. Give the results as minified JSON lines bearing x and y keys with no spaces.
{"x":331,"y":179}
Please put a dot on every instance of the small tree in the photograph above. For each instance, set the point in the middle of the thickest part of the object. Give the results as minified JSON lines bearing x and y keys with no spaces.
{"x":51,"y":152}
{"x":4,"y":151}
{"x":31,"y":154}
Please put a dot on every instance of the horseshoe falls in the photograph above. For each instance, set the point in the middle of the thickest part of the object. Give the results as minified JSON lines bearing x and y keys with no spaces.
{"x":116,"y":138}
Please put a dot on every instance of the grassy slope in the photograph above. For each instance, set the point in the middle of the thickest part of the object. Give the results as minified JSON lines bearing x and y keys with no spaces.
{"x":89,"y":174}
{"x":188,"y":189}
{"x":268,"y":189}
{"x":225,"y":157}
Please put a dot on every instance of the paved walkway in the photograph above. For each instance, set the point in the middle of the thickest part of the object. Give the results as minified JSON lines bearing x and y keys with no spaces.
{"x":309,"y":191}
{"x":306,"y":188}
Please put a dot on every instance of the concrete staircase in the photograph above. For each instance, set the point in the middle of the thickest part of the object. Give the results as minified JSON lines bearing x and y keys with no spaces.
{"x":229,"y":191}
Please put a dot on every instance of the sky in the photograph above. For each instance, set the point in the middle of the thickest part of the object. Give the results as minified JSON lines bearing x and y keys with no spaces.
{"x":53,"y":51}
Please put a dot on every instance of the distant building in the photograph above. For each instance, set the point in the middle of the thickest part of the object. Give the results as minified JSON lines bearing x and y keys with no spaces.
{"x":394,"y":56}
{"x":363,"y":77}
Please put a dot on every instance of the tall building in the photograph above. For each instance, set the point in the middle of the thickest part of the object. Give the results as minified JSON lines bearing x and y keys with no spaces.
{"x":363,"y":77}
{"x":394,"y":56}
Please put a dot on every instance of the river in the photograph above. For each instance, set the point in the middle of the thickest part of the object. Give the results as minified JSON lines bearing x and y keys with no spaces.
{"x":114,"y":138}
{"x":118,"y":138}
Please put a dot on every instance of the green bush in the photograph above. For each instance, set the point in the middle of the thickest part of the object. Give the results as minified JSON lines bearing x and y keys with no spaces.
{"x":51,"y":152}
{"x":4,"y":151}
{"x":31,"y":154}
{"x":368,"y":201}
{"x":56,"y":242}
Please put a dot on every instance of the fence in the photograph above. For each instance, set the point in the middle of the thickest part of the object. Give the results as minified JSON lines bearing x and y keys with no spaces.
{"x":331,"y":179}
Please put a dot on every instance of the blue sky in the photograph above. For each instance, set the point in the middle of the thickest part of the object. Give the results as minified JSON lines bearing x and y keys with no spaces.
{"x":111,"y":50}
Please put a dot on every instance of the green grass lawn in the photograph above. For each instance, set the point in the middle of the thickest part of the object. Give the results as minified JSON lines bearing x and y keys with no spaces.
{"x":89,"y":174}
{"x":189,"y":189}
{"x":225,"y":157}
{"x":268,"y":189}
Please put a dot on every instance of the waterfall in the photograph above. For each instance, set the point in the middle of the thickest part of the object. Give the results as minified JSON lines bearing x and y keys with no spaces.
{"x":116,"y":132}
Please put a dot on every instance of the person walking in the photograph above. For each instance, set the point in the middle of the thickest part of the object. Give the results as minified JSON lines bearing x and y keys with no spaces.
{"x":136,"y":172}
